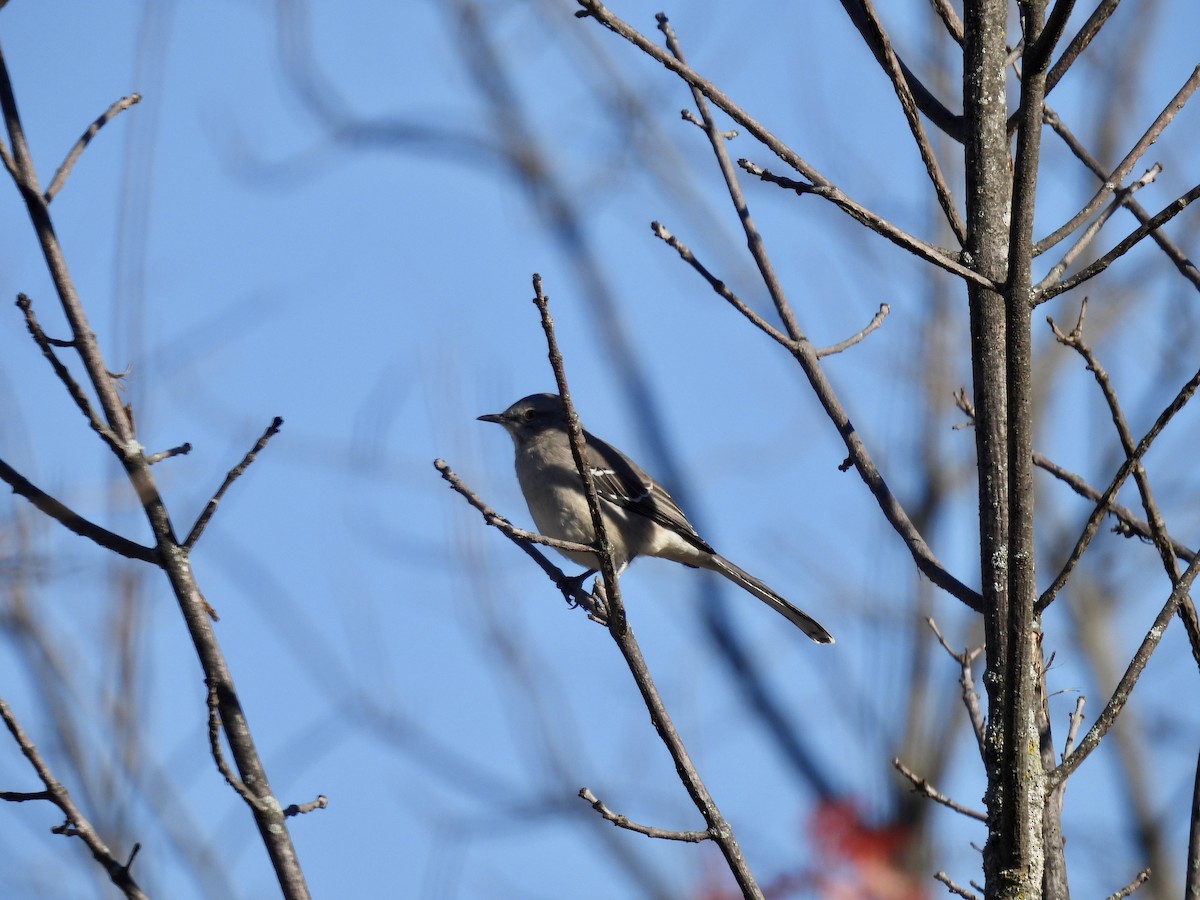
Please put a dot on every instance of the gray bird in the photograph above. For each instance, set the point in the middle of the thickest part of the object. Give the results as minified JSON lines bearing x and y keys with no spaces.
{"x":640,"y":517}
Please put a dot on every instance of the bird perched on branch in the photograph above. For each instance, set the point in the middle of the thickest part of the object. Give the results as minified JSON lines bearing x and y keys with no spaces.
{"x":640,"y":517}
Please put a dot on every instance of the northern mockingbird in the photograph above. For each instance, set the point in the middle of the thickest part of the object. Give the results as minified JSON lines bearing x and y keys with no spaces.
{"x":640,"y":517}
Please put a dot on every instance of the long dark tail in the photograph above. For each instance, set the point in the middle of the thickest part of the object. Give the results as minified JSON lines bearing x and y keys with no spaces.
{"x":797,"y":617}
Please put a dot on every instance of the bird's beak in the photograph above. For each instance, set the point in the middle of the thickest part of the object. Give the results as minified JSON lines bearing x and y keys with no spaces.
{"x":492,"y":417}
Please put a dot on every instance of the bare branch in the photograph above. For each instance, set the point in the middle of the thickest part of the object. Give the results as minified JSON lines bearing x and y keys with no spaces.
{"x":859,"y":457}
{"x":622,"y":634}
{"x":45,"y":344}
{"x":60,"y":177}
{"x":76,"y":824}
{"x":172,"y":557}
{"x":1074,"y":721}
{"x":754,"y":241}
{"x":1120,"y":198}
{"x":182,"y":450}
{"x":721,"y":288}
{"x":1121,"y":172}
{"x":1128,"y":522}
{"x":300,"y":809}
{"x":954,"y":888}
{"x":808,"y":358}
{"x":1037,"y":55}
{"x":691,"y":837}
{"x":902,"y":82}
{"x":230,"y":478}
{"x":603,"y":548}
{"x":1192,"y":877}
{"x":1158,"y":529}
{"x":570,"y":587}
{"x":949,"y":16}
{"x":1141,"y":878}
{"x":966,"y":682}
{"x":940,"y":257}
{"x":25,"y":796}
{"x":214,"y":746}
{"x":930,"y":106}
{"x":1079,"y":43}
{"x":25,"y":177}
{"x":73,"y":521}
{"x":876,"y":322}
{"x":1178,"y":258}
{"x":1103,"y":504}
{"x":1165,"y":215}
{"x":822,"y":186}
{"x":923,"y":786}
{"x":1125,"y":686}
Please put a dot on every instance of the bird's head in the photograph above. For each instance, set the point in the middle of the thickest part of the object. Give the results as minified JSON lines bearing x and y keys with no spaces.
{"x":530,"y":417}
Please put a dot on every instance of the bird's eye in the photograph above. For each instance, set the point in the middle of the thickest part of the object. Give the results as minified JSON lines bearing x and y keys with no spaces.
{"x":529,"y":415}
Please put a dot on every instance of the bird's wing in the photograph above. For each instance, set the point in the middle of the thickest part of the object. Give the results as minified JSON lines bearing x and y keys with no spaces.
{"x":620,"y":481}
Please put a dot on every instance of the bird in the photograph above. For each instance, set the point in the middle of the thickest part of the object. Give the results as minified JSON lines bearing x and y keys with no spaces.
{"x":640,"y":518}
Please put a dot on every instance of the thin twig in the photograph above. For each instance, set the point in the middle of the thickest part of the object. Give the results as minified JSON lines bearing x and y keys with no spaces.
{"x":922,"y":785}
{"x":949,"y":16}
{"x":1170,"y":211}
{"x":230,"y":478}
{"x":1129,"y":525}
{"x":1073,"y":723}
{"x":603,"y":548}
{"x":1128,"y":522}
{"x":60,"y":177}
{"x":25,"y":796}
{"x":1137,"y":882}
{"x":805,"y":354}
{"x":45,"y":344}
{"x":1192,"y":876}
{"x":25,"y":177}
{"x":66,"y":516}
{"x":954,"y":888}
{"x":268,"y":818}
{"x":877,"y":37}
{"x":1158,"y":529}
{"x":1102,"y":505}
{"x":496,"y":520}
{"x":622,"y":634}
{"x":182,"y":450}
{"x":1125,"y":166}
{"x":754,"y":241}
{"x":691,"y":837}
{"x":570,"y":587}
{"x":966,"y":682}
{"x":1078,"y":43}
{"x":876,"y":322}
{"x":214,"y":746}
{"x":300,"y":809}
{"x":1125,"y":686}
{"x":932,"y":108}
{"x":826,"y":189}
{"x":939,"y":256}
{"x":720,"y":287}
{"x":76,"y":824}
{"x":1178,"y":258}
{"x":1120,"y":198}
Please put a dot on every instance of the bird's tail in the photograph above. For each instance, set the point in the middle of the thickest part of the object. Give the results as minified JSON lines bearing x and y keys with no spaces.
{"x":800,"y":619}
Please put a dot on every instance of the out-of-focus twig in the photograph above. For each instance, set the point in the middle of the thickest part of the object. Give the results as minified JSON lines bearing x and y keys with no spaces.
{"x":76,"y":824}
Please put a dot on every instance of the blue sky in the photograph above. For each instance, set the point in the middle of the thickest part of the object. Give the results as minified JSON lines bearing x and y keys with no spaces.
{"x":394,"y":654}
